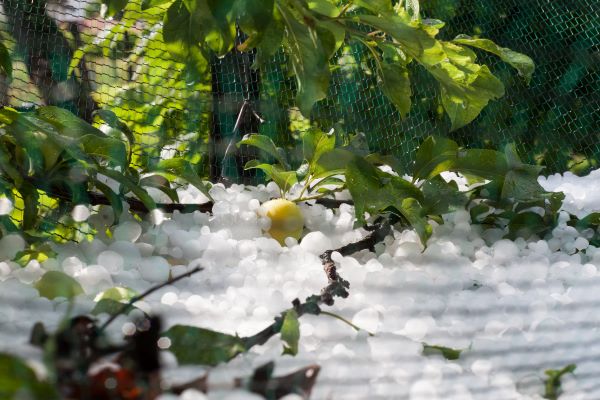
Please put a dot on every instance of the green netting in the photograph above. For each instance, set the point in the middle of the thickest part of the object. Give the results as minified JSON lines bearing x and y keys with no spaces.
{"x":554,"y":120}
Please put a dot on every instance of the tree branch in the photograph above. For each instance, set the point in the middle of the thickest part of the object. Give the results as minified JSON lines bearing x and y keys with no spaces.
{"x":336,"y":286}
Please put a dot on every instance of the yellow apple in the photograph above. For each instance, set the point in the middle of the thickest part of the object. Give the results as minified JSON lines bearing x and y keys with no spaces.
{"x":286,"y":219}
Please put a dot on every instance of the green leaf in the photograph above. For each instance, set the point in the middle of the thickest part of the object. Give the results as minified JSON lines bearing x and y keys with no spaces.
{"x":265,"y":38}
{"x":265,"y":144}
{"x":199,"y":346}
{"x":478,"y":210}
{"x":488,"y":164}
{"x":441,"y":197}
{"x":284,"y":179}
{"x":116,"y":202}
{"x":146,"y":4}
{"x":395,"y":84}
{"x":521,"y":186}
{"x":183,"y":169}
{"x":58,"y":284}
{"x":332,"y":162}
{"x":117,"y":293}
{"x":589,"y":221}
{"x":413,"y":212}
{"x":18,"y":381}
{"x":161,"y":183}
{"x":393,"y":162}
{"x":110,"y":149}
{"x":552,"y":384}
{"x":522,"y":63}
{"x":309,"y":58}
{"x":111,"y":119}
{"x":447,"y":352}
{"x":128,"y":184}
{"x":110,"y":307}
{"x":376,"y":6}
{"x":375,"y":192}
{"x":66,"y":123}
{"x":5,"y":61}
{"x":113,"y":7}
{"x":435,"y":155}
{"x":314,"y":143}
{"x":290,"y":333}
{"x":182,"y":36}
{"x":466,"y":87}
{"x":526,"y":224}
{"x":215,"y":23}
{"x":38,"y":252}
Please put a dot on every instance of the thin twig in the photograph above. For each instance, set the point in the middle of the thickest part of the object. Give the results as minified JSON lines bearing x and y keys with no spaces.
{"x":153,"y":289}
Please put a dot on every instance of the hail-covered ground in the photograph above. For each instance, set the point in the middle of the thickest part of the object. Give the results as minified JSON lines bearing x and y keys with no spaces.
{"x":515,"y":308}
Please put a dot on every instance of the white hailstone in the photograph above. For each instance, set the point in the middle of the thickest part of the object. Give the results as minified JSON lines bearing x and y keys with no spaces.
{"x":351,"y":270}
{"x":94,"y":278}
{"x":128,"y":231}
{"x":504,"y":250}
{"x":72,"y":266}
{"x":193,"y":394}
{"x":111,"y":260}
{"x":316,"y":242}
{"x":146,"y":249}
{"x":154,"y":269}
{"x":4,"y":271}
{"x":416,"y":328}
{"x":10,"y":245}
{"x":6,"y":206}
{"x":424,"y":390}
{"x":80,"y":213}
{"x":253,"y":205}
{"x":32,"y":272}
{"x":581,"y":243}
{"x":341,"y":351}
{"x":169,"y":298}
{"x":127,"y":250}
{"x":156,"y":217}
{"x":368,"y":319}
{"x":194,"y":248}
{"x":481,"y":368}
{"x":128,"y":328}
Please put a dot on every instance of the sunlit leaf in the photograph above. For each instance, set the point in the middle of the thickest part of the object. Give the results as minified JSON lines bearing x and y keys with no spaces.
{"x":522,"y":63}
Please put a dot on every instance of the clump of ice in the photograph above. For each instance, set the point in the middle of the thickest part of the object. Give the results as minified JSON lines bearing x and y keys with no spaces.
{"x":504,"y":303}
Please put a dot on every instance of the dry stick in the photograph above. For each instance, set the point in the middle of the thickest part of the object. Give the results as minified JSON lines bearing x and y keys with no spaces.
{"x":146,"y":293}
{"x":336,"y":287}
